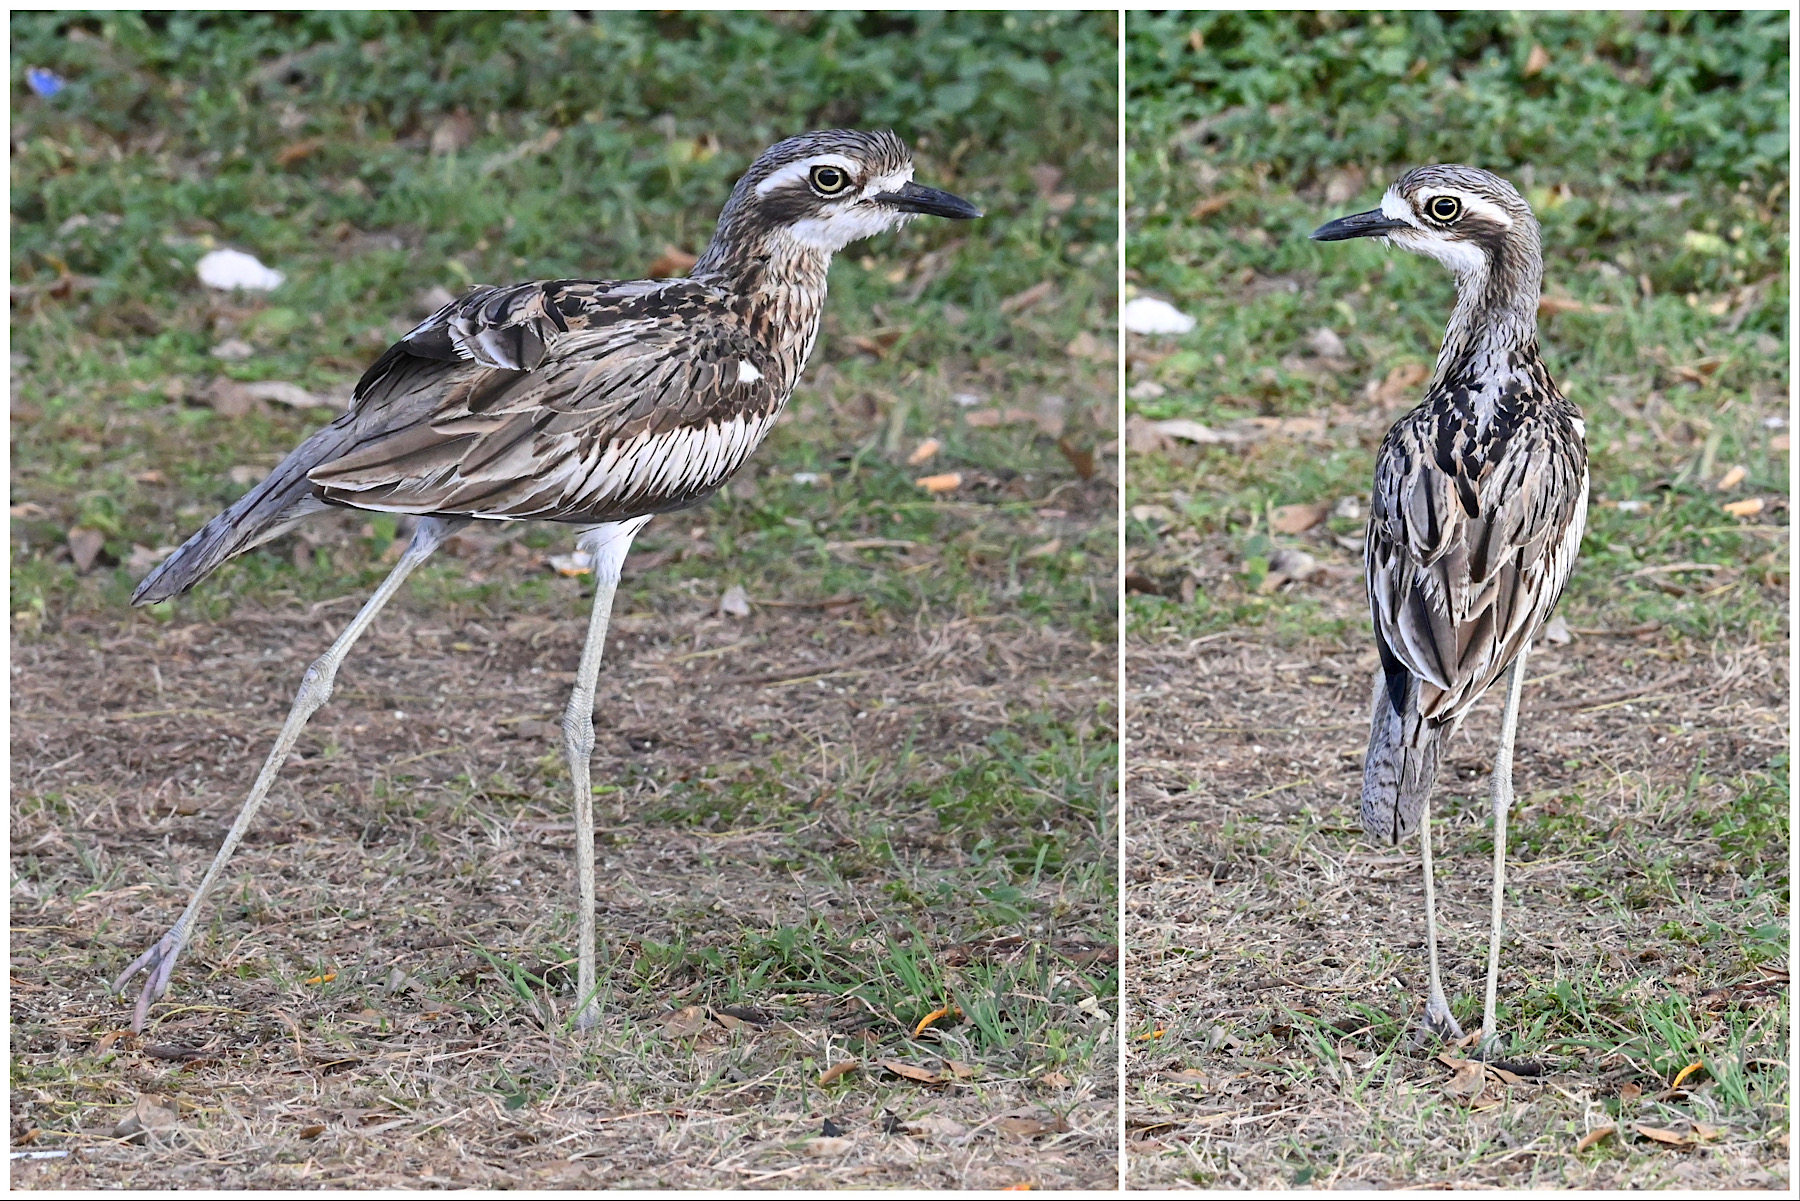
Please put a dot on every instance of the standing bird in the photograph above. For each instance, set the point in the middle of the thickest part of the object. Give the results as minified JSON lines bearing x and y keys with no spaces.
{"x":597,"y":403}
{"x":1479,"y":504}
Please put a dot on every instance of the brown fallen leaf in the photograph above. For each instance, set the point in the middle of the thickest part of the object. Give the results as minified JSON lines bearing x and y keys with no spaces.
{"x":838,"y":1071}
{"x":1536,"y":61}
{"x":1297,"y":519}
{"x":84,"y":547}
{"x":1684,"y":1073}
{"x":151,"y":1117}
{"x":1593,"y":1137}
{"x":1081,"y":458}
{"x":1031,"y":1125}
{"x":1629,"y":1092}
{"x":923,"y":451}
{"x":293,"y":152}
{"x":672,"y":262}
{"x":685,"y":1022}
{"x":1186,"y":1076}
{"x":934,"y":1125}
{"x":1053,"y":1080}
{"x":960,"y":1070}
{"x":1668,"y":1138}
{"x":910,"y":1071}
{"x":1399,"y":384}
{"x":228,"y":398}
{"x":1206,"y":206}
{"x":935,"y":1015}
{"x":1086,"y":346}
{"x":1749,"y":507}
{"x":829,"y":1147}
{"x":1468,"y":1077}
{"x":312,"y":1131}
{"x":1020,"y":301}
{"x":950,"y":481}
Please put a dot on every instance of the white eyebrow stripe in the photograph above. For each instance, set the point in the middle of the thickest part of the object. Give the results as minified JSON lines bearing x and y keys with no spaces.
{"x":800,"y":170}
{"x":1479,"y":205}
{"x":1395,"y":208}
{"x":892,"y":182}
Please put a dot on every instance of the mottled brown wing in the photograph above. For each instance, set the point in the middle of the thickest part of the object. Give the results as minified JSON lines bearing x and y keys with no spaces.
{"x":1463,"y":569}
{"x":560,"y":401}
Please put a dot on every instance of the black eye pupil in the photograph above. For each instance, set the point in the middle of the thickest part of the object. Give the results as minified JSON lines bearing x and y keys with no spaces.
{"x":828,"y":179}
{"x":1444,"y":208}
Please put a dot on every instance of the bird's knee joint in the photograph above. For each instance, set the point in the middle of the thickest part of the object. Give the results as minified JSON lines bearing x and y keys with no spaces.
{"x":578,"y":736}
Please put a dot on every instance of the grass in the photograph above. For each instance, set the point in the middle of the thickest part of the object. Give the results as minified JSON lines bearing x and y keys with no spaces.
{"x":885,"y":792}
{"x":1660,"y":797}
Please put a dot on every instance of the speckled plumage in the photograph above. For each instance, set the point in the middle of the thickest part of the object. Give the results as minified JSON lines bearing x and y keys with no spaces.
{"x":585,"y":401}
{"x":598,"y":403}
{"x":1476,"y":518}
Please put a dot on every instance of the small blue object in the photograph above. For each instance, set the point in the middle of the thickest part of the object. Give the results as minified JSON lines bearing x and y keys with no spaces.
{"x":44,"y":83}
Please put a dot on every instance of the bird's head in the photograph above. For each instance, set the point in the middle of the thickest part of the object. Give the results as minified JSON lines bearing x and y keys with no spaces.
{"x":1470,"y":220}
{"x":821,"y":191}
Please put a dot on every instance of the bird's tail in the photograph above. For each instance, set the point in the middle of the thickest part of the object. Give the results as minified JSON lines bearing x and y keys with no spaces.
{"x":1401,"y":765}
{"x":283,"y":499}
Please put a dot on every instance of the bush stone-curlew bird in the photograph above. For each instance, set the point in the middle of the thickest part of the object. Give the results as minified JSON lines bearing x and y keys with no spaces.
{"x":597,"y":403}
{"x":1479,"y":503}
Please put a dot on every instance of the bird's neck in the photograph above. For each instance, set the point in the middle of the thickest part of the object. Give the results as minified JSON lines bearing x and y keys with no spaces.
{"x":776,"y":282}
{"x":1493,"y":329}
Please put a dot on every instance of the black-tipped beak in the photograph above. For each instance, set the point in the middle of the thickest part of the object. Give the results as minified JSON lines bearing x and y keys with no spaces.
{"x":914,"y":198}
{"x":1371,"y":224}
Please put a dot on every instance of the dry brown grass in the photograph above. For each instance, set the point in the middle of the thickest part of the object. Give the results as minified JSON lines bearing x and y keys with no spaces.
{"x":346,"y":1016}
{"x":1275,"y":963}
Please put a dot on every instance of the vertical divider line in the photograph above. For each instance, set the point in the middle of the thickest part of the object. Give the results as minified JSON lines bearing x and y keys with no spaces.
{"x":1120,"y":1025}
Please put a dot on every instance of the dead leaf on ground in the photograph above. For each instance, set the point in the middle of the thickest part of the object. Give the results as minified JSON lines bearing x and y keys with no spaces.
{"x":1186,"y":1076}
{"x":1053,"y":1080}
{"x":1594,"y":1136}
{"x":923,"y":451}
{"x":151,"y":1116}
{"x":1668,"y":1138}
{"x":1032,"y":1124}
{"x":1399,"y":384}
{"x":1188,"y":430}
{"x":830,"y":1147}
{"x":228,"y":398}
{"x":735,"y":602}
{"x":934,"y":1016}
{"x":1297,"y":519}
{"x":1081,"y":458}
{"x":933,"y":1125}
{"x":293,"y":152}
{"x":312,"y":1131}
{"x":960,"y":1070}
{"x":910,"y":1071}
{"x":1086,"y":346}
{"x":84,"y":547}
{"x":685,"y":1022}
{"x":672,"y":262}
{"x":1536,"y":61}
{"x":838,"y":1071}
{"x":1020,"y":301}
{"x":1206,"y":206}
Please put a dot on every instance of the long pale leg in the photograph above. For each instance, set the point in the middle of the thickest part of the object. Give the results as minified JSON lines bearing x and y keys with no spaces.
{"x":1438,"y":1019}
{"x":315,"y":690}
{"x":608,"y":545}
{"x":1503,"y":795}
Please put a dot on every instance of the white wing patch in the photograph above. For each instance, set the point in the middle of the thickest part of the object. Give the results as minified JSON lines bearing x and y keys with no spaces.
{"x":747,"y":372}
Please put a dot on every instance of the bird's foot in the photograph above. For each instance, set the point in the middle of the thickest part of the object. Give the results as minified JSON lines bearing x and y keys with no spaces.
{"x":1439,"y":1025}
{"x":588,"y":1019}
{"x":159,"y":964}
{"x":1492,"y":1046}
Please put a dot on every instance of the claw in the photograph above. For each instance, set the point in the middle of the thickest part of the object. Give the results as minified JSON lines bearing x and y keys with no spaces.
{"x":159,"y":963}
{"x":1438,"y":1024}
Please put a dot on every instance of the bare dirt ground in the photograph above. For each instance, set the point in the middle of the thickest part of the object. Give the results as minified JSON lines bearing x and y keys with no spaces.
{"x":1275,"y":960}
{"x":370,"y":999}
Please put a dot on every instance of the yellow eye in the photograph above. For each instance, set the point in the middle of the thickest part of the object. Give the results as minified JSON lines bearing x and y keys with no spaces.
{"x":1444,"y":208}
{"x":829,"y":181}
